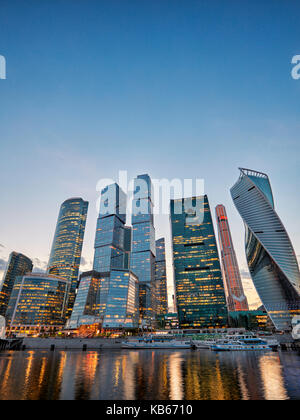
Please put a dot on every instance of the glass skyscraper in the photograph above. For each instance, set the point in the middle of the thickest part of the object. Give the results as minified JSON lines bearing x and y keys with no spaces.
{"x":18,"y":265}
{"x":38,"y":301}
{"x":200,"y":295}
{"x":161,"y":291}
{"x":271,"y":258}
{"x":236,"y":299}
{"x":110,"y":233}
{"x":66,"y":250}
{"x":86,"y":309}
{"x":109,"y":294}
{"x":143,"y":245}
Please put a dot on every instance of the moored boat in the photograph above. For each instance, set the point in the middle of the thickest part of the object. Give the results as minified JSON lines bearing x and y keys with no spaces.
{"x":251,"y":344}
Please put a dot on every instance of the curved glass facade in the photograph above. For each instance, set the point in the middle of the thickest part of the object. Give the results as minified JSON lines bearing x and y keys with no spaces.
{"x":38,"y":300}
{"x":271,"y":258}
{"x":67,"y":244}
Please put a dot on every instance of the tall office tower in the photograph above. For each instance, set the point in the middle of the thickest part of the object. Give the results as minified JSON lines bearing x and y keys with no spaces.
{"x":86,"y":310}
{"x":37,"y":301}
{"x":271,"y":258}
{"x":117,"y":300}
{"x":200,"y":295}
{"x":18,"y":265}
{"x":143,"y":245}
{"x":66,"y":249}
{"x":161,"y":278}
{"x":110,"y":233}
{"x":236,"y":299}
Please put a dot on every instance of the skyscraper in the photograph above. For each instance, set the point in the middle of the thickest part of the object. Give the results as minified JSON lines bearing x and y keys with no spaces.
{"x":18,"y":265}
{"x":271,"y":258}
{"x":199,"y":285}
{"x":236,"y":299}
{"x":143,"y":244}
{"x":161,"y":291}
{"x":110,"y":233}
{"x":37,"y":301}
{"x":67,"y":245}
{"x":109,"y":294}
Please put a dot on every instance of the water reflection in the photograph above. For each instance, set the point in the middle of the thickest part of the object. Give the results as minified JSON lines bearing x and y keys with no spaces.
{"x":142,"y":375}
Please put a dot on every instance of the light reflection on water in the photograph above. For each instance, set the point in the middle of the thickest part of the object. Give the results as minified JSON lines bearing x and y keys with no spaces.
{"x":149,"y":375}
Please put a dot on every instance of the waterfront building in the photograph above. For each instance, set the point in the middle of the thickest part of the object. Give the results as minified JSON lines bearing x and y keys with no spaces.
{"x":108,"y":300}
{"x":66,"y":249}
{"x":122,"y":303}
{"x":161,"y":290}
{"x":108,"y":296}
{"x":143,"y":246}
{"x":18,"y":265}
{"x":271,"y":258}
{"x":200,"y":295}
{"x":37,"y":301}
{"x":86,"y":309}
{"x":236,"y":299}
{"x":110,"y":234}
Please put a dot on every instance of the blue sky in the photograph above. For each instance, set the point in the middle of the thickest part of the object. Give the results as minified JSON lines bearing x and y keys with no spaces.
{"x":178,"y":89}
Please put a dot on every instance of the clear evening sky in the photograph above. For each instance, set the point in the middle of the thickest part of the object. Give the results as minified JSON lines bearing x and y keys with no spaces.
{"x":173,"y":88}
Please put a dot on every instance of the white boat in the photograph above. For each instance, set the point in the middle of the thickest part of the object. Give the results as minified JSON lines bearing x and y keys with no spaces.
{"x":207,"y":343}
{"x":252,"y":344}
{"x":156,"y":343}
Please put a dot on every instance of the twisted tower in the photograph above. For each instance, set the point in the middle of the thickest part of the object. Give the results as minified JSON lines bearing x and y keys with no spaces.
{"x":271,"y":258}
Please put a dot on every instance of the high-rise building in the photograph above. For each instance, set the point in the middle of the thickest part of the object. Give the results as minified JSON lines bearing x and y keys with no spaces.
{"x":143,"y":245}
{"x":199,"y":285}
{"x":161,"y":290}
{"x":271,"y":258}
{"x":18,"y":265}
{"x":66,"y":249}
{"x":122,"y":305}
{"x":236,"y":299}
{"x":110,"y":233}
{"x":37,"y":301}
{"x":109,"y":299}
{"x":109,"y":294}
{"x":86,"y":309}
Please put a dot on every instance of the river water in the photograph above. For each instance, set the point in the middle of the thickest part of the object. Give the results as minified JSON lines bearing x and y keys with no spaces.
{"x":149,"y":375}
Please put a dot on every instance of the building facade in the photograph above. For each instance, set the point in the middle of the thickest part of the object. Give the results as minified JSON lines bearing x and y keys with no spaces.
{"x":18,"y":265}
{"x":108,"y":295}
{"x":199,"y":287}
{"x":66,"y":249}
{"x":236,"y":299}
{"x":271,"y":258}
{"x":143,"y":245}
{"x":110,"y":233}
{"x":86,"y":310}
{"x":37,"y":301}
{"x":161,"y":289}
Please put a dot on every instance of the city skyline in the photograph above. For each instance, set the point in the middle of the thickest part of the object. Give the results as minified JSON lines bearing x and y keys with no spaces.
{"x":85,"y":266}
{"x":155,"y":87}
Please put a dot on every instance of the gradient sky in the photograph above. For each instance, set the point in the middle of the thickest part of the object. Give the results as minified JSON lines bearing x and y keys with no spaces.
{"x":177,"y":89}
